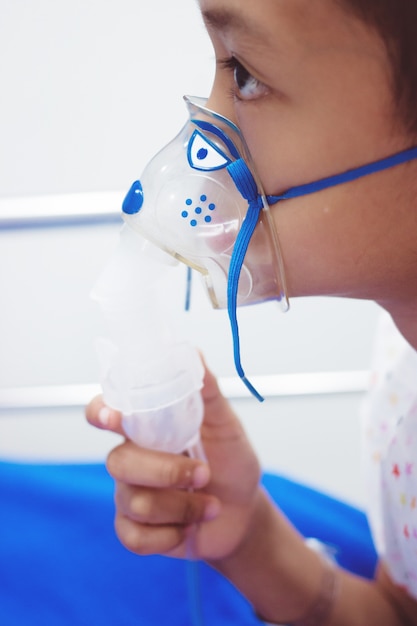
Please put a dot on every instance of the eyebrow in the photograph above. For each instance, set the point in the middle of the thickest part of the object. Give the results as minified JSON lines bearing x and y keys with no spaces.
{"x":225,"y":20}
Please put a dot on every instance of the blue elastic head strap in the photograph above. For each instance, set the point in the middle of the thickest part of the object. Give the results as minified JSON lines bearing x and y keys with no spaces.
{"x":245,"y":183}
{"x":346,"y":177}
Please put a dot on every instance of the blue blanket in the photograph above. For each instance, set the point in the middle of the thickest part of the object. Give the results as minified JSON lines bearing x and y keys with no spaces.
{"x":61,"y":564}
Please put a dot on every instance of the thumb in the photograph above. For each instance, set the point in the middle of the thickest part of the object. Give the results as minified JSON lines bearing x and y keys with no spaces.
{"x":101,"y":416}
{"x":217,"y":408}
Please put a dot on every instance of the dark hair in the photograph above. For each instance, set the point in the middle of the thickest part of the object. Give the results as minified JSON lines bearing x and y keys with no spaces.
{"x":396,"y":23}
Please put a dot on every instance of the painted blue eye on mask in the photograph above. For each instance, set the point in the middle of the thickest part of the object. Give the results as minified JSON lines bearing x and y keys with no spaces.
{"x":200,"y":200}
{"x":204,"y":155}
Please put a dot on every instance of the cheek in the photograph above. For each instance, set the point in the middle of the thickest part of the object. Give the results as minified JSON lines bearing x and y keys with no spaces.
{"x":324,"y":244}
{"x":282,"y":160}
{"x":293,"y":142}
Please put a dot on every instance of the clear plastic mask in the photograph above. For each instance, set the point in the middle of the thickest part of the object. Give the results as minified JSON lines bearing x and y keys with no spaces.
{"x":187,"y":203}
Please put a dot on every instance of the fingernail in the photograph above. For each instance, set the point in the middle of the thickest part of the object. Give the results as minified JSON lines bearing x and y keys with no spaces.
{"x":104,"y":415}
{"x":201,"y":476}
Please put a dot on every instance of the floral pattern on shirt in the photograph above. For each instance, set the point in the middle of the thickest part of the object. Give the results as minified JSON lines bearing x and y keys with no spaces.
{"x":390,"y":454}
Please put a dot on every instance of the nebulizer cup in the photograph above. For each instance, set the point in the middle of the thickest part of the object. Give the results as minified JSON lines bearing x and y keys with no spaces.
{"x":147,"y":372}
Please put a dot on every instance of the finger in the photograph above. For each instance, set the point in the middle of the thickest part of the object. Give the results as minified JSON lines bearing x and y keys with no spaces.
{"x":210,"y":390}
{"x":149,"y":506}
{"x":138,"y":466}
{"x":145,"y":540}
{"x":98,"y":414}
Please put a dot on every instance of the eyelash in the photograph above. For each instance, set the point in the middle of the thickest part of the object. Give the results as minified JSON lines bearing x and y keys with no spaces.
{"x":233,"y":65}
{"x":230,"y":63}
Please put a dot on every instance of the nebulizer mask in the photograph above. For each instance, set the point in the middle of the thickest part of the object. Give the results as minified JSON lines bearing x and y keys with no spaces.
{"x":192,"y":199}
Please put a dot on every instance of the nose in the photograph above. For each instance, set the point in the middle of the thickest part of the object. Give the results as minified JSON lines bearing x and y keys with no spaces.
{"x":134,"y":199}
{"x":220,"y":101}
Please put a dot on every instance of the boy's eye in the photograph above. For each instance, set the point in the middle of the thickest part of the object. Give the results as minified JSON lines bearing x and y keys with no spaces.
{"x":247,"y":87}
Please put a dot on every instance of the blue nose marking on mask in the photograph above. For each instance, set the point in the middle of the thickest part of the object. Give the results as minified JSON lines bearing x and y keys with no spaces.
{"x":134,"y":199}
{"x":245,"y":183}
{"x":200,"y":213}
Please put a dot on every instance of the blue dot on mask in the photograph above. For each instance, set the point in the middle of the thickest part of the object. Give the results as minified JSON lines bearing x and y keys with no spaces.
{"x":198,"y":210}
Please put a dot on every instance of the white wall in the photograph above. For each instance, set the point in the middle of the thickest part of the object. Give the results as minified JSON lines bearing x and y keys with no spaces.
{"x":90,"y":90}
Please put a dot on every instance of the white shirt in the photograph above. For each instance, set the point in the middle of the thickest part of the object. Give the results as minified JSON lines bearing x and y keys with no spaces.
{"x":390,"y":454}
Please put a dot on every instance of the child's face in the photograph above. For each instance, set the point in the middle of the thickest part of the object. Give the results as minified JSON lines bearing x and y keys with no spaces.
{"x":309,"y":85}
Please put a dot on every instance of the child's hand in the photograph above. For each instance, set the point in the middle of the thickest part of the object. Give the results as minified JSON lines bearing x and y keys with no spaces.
{"x":160,"y":495}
